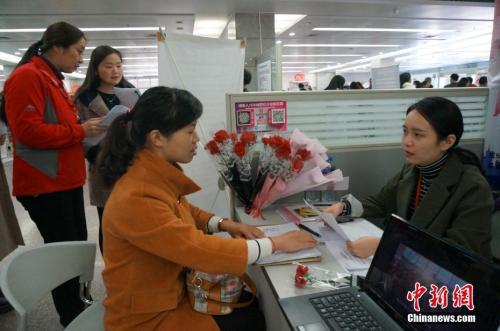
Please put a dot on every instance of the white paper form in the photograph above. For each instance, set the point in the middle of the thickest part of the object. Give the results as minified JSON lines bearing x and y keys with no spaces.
{"x":346,"y":259}
{"x":107,"y":120}
{"x":128,"y":96}
{"x":276,"y":230}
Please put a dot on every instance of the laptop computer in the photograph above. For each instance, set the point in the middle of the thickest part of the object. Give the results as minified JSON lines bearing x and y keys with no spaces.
{"x":407,"y":261}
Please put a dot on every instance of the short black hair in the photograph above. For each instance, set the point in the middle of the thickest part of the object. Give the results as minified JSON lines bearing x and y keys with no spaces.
{"x":483,"y":80}
{"x":454,"y":77}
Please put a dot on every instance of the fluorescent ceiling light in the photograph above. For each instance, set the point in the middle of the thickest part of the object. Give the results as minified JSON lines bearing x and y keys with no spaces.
{"x":209,"y":27}
{"x":306,"y":62}
{"x":117,"y":47}
{"x":134,"y":58}
{"x":321,"y":55}
{"x":283,"y":22}
{"x":382,"y":30}
{"x":338,"y":45}
{"x":9,"y":58}
{"x":278,"y":42}
{"x":150,"y":28}
{"x":459,"y":42}
{"x":285,"y":67}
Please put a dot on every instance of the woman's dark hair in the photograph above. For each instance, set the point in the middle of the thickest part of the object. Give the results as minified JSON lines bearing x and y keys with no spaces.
{"x":405,"y":77}
{"x":58,"y":34}
{"x":463,"y":82}
{"x":92,"y":79}
{"x":337,"y":83}
{"x":446,"y":118}
{"x":159,"y":108}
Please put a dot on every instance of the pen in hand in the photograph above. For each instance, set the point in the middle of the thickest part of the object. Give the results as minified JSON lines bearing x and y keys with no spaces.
{"x":311,"y":231}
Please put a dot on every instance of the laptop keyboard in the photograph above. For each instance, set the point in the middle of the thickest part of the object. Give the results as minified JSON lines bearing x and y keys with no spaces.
{"x":344,"y":310}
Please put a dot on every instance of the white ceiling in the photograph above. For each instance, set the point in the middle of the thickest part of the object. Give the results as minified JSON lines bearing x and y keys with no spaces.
{"x":461,"y":17}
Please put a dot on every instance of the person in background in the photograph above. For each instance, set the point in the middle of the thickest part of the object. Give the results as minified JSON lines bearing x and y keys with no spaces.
{"x":463,"y":82}
{"x":153,"y":234}
{"x":483,"y":81}
{"x":247,"y":79}
{"x":49,"y":166}
{"x":337,"y":83}
{"x":441,"y":188}
{"x":417,"y":84}
{"x":453,"y":81}
{"x":356,"y":86}
{"x":427,"y":83}
{"x":302,"y":87}
{"x":471,"y":82}
{"x":94,"y":99}
{"x":405,"y":81}
{"x":10,"y":233}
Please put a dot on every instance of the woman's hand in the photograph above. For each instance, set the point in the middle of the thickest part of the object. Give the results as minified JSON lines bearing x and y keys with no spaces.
{"x":238,"y":230}
{"x":363,"y":247}
{"x":93,"y":127}
{"x":335,"y":209}
{"x":294,"y":241}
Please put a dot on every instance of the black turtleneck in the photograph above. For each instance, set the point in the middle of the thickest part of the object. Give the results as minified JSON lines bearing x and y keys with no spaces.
{"x":427,"y":174}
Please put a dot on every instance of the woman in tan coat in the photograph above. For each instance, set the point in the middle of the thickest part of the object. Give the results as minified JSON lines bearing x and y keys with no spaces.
{"x":153,"y":233}
{"x":94,"y":99}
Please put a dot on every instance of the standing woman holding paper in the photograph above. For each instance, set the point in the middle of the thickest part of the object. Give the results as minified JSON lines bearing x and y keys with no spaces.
{"x":441,"y":188}
{"x":49,"y":167}
{"x":94,"y":99}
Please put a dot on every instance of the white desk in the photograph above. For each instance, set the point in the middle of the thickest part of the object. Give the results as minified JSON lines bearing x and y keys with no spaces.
{"x":276,"y":282}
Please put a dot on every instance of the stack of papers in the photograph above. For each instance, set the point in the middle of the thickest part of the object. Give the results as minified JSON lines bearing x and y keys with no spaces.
{"x":305,"y":255}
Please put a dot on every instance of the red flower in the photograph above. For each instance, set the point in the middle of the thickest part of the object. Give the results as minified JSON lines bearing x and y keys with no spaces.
{"x":248,"y":137}
{"x":240,"y":148}
{"x":284,"y":150}
{"x":233,"y":136}
{"x":300,"y":281}
{"x":266,"y":141}
{"x":276,"y":141}
{"x":304,"y":153}
{"x":221,"y":136}
{"x":301,"y":270}
{"x":297,"y":163}
{"x":212,"y":147}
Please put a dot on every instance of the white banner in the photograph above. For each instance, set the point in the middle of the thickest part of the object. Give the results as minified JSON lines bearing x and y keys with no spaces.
{"x":208,"y":68}
{"x":491,"y":155}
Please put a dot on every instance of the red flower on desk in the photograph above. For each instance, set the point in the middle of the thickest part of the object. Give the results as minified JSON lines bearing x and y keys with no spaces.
{"x":302,"y":276}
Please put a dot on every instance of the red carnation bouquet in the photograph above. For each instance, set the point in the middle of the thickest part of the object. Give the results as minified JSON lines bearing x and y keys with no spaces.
{"x":259,"y":174}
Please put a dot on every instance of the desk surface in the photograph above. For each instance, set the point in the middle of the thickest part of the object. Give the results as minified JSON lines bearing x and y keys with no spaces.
{"x":281,"y":276}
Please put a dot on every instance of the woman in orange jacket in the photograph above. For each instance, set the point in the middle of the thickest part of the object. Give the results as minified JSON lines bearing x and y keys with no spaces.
{"x":153,"y":233}
{"x":49,"y":168}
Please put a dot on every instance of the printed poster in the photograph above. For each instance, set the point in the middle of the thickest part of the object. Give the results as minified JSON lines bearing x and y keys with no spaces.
{"x":261,"y":116}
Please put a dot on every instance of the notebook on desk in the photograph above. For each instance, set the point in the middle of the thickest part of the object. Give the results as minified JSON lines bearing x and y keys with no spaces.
{"x":305,"y":255}
{"x":386,"y":301}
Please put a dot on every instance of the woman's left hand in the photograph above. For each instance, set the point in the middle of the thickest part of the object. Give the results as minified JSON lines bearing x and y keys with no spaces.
{"x":238,"y":230}
{"x":363,"y":247}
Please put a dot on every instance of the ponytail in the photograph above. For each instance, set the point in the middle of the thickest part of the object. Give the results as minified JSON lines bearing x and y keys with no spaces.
{"x":118,"y":150}
{"x":468,"y":157}
{"x":33,"y":50}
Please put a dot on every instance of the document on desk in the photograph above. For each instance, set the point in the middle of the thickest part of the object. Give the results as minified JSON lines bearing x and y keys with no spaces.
{"x":350,"y":230}
{"x":346,"y":259}
{"x":311,"y":254}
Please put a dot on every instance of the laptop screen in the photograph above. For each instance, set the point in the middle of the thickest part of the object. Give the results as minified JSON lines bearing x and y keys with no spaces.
{"x":428,"y":284}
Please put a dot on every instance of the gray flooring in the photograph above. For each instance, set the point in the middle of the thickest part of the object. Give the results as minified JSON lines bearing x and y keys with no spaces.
{"x":44,"y":317}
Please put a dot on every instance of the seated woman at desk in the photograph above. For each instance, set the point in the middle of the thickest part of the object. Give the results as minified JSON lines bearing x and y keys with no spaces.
{"x":441,"y":188}
{"x":153,"y":233}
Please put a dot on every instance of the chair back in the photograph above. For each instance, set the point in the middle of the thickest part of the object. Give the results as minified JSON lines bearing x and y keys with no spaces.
{"x":28,"y":274}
